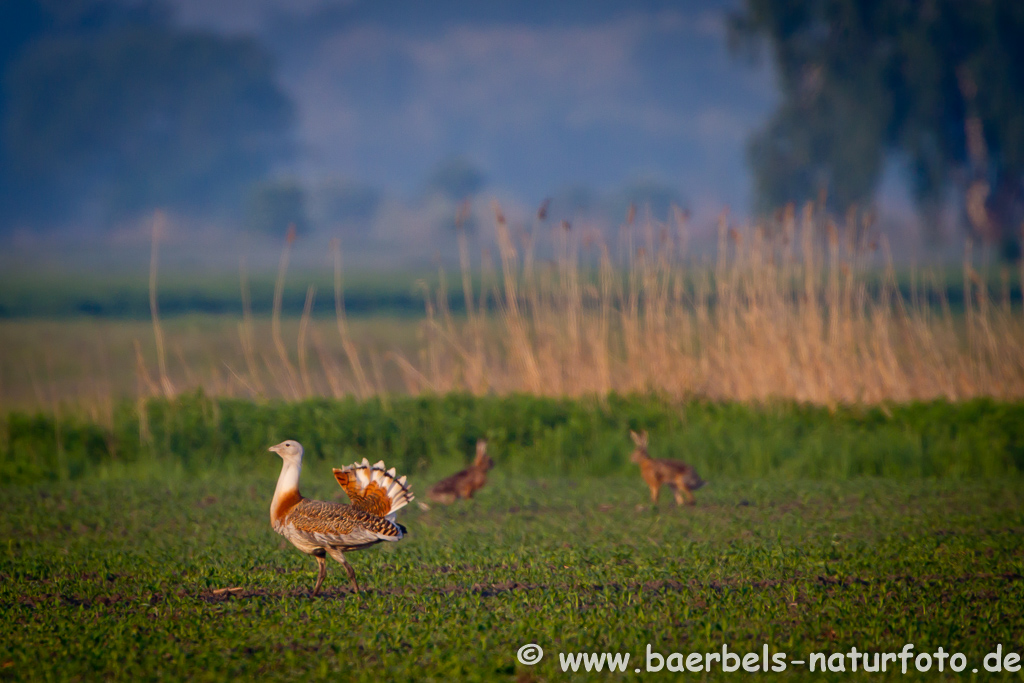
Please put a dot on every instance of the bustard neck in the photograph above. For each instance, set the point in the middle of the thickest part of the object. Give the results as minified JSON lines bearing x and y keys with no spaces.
{"x":287,"y":492}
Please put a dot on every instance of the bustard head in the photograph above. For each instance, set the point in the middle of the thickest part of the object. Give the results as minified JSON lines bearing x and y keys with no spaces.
{"x":290,"y":451}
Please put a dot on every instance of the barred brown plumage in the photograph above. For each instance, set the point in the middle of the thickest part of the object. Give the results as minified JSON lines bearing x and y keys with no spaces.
{"x":321,"y":528}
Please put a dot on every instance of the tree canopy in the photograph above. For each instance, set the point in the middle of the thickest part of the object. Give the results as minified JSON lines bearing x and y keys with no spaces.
{"x":456,"y":179}
{"x":939,"y":84}
{"x":116,"y":112}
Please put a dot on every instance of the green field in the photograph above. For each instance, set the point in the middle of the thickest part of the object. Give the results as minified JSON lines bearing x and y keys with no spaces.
{"x":124,"y":295}
{"x":86,"y":365}
{"x":51,"y":294}
{"x":818,"y":532}
{"x":197,"y":436}
{"x":119,"y":580}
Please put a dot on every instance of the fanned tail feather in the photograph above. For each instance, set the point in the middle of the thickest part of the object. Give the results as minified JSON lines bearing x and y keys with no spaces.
{"x":374,"y":489}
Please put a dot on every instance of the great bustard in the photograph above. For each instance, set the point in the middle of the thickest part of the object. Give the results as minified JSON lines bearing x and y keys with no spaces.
{"x":321,"y":528}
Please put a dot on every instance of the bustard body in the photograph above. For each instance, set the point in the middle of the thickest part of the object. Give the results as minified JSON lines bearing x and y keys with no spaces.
{"x":321,"y":528}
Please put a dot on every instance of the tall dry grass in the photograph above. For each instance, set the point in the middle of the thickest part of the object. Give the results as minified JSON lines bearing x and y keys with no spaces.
{"x":800,"y":309}
{"x":792,"y":309}
{"x":797,"y":308}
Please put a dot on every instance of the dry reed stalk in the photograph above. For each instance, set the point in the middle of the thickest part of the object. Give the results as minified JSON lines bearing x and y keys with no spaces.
{"x":103,"y":395}
{"x":190,"y":377}
{"x":476,"y":362}
{"x":446,"y":332}
{"x":278,"y":375}
{"x":472,"y":376}
{"x":218,"y":383}
{"x":307,"y":311}
{"x":159,"y":223}
{"x":765,"y":321}
{"x":362,"y":385}
{"x":241,"y":380}
{"x":599,"y":341}
{"x":520,"y":344}
{"x":292,"y":388}
{"x":147,"y":386}
{"x":415,"y":381}
{"x":378,"y":374}
{"x":796,"y":308}
{"x":569,"y":300}
{"x":429,"y":353}
{"x":464,"y":265}
{"x":245,"y":331}
{"x":329,"y":368}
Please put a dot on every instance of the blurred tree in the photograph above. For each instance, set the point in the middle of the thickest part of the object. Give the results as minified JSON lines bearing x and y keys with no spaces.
{"x":107,"y":113}
{"x":273,"y":206}
{"x":573,"y":199}
{"x":648,"y":194}
{"x":939,"y":83}
{"x":345,"y":201}
{"x":456,"y":179}
{"x":24,"y":21}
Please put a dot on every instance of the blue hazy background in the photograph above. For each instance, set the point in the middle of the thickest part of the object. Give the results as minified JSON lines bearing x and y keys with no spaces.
{"x":540,"y":98}
{"x":374,"y":121}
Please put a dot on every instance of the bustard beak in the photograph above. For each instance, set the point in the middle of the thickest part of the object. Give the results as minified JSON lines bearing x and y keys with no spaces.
{"x":273,"y":449}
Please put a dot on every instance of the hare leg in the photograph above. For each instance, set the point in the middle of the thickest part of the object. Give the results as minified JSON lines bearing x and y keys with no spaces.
{"x":690,"y":500}
{"x":655,"y":490}
{"x":678,"y":492}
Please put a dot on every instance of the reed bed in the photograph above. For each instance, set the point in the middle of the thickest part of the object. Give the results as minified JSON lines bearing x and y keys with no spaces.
{"x":803,"y":310}
{"x":798,"y":308}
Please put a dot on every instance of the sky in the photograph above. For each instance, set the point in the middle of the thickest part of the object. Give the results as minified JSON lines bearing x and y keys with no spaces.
{"x":540,"y":96}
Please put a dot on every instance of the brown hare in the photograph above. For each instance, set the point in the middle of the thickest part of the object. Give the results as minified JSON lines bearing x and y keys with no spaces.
{"x":680,"y":476}
{"x":465,"y":483}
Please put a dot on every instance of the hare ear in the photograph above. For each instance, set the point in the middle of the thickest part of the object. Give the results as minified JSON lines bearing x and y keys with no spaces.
{"x":637,"y":439}
{"x":481,"y":447}
{"x":643,"y":438}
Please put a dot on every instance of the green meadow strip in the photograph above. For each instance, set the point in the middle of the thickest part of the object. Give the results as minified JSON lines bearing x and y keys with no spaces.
{"x":528,"y":436}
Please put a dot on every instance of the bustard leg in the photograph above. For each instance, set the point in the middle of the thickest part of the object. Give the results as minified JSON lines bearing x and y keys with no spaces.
{"x":351,"y":573}
{"x":321,"y":574}
{"x":340,"y":557}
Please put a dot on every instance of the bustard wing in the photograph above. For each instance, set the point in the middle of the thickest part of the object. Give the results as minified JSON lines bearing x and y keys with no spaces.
{"x":374,"y":489}
{"x":333,"y":525}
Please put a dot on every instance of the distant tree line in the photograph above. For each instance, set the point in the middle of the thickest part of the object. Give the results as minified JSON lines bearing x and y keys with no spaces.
{"x":939,"y":84}
{"x":107,"y":110}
